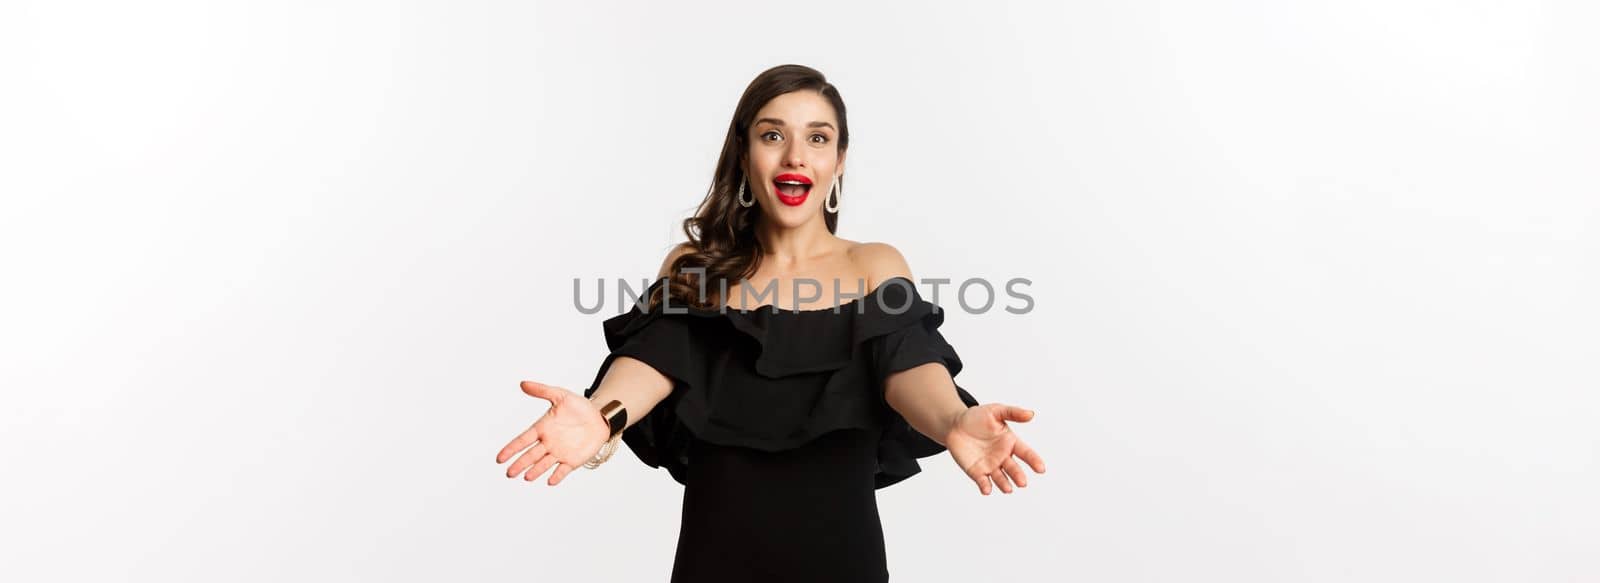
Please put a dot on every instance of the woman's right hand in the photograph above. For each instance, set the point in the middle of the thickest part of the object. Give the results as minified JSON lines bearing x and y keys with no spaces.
{"x":570,"y":433}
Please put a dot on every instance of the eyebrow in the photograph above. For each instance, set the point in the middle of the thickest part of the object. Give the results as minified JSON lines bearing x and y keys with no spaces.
{"x":779,"y":122}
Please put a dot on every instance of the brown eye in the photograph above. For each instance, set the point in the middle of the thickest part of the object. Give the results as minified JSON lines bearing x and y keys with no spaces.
{"x":824,"y":138}
{"x":769,"y":134}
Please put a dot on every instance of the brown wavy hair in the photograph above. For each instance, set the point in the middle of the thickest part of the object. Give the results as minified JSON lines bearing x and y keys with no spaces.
{"x":721,"y":233}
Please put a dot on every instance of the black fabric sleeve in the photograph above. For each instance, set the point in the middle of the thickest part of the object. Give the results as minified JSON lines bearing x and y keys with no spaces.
{"x":908,"y":347}
{"x":670,"y":345}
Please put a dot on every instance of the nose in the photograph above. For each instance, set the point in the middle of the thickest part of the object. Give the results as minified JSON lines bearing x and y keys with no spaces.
{"x":793,"y":157}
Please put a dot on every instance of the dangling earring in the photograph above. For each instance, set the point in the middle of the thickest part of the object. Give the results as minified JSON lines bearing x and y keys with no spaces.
{"x":834,"y":194}
{"x":741,"y":196}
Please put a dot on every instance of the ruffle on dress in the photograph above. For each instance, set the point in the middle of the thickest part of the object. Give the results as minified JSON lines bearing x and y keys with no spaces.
{"x":773,"y":379}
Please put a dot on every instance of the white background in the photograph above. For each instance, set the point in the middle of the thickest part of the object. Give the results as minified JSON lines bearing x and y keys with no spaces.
{"x":1314,"y":281}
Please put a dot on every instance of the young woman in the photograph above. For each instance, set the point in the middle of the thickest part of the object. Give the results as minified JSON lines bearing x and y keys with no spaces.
{"x":782,"y":419}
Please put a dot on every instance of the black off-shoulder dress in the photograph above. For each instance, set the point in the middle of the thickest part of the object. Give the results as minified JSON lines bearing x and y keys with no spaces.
{"x":778,"y":429}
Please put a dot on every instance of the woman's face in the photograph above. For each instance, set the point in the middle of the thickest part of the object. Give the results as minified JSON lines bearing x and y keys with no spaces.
{"x":793,"y":139}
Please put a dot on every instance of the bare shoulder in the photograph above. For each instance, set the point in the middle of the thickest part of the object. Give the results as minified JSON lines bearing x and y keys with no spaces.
{"x":880,"y":261}
{"x":677,"y":251}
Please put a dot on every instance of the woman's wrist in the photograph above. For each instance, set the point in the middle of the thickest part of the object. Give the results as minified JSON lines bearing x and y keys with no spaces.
{"x":613,"y":416}
{"x":952,"y":420}
{"x":600,"y":415}
{"x":610,"y":415}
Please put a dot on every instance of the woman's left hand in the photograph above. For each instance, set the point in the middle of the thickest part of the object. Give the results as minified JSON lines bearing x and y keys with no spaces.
{"x":983,"y":445}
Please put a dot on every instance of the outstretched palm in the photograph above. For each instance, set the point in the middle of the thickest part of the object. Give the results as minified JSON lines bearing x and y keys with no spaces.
{"x":983,"y":446}
{"x":566,"y":436}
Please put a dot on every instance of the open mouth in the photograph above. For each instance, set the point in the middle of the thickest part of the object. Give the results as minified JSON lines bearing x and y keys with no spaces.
{"x":791,"y":188}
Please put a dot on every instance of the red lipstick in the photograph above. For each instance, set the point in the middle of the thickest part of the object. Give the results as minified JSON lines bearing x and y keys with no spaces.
{"x":798,"y":185}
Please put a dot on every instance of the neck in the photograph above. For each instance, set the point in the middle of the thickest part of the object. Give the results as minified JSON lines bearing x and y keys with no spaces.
{"x":788,"y":246}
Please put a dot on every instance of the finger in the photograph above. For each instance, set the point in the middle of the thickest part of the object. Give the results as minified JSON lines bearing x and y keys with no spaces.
{"x":983,"y":483}
{"x":542,"y":391}
{"x":527,"y":459}
{"x":521,"y":442}
{"x":540,"y":467}
{"x":1014,"y":471}
{"x":1027,"y":454}
{"x":1018,"y":414}
{"x":1000,"y":479}
{"x":561,"y":472}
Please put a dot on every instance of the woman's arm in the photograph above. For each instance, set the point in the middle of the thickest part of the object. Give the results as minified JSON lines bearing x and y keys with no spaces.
{"x":639,"y":386}
{"x":925,"y":395}
{"x":573,"y":429}
{"x":978,"y":438}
